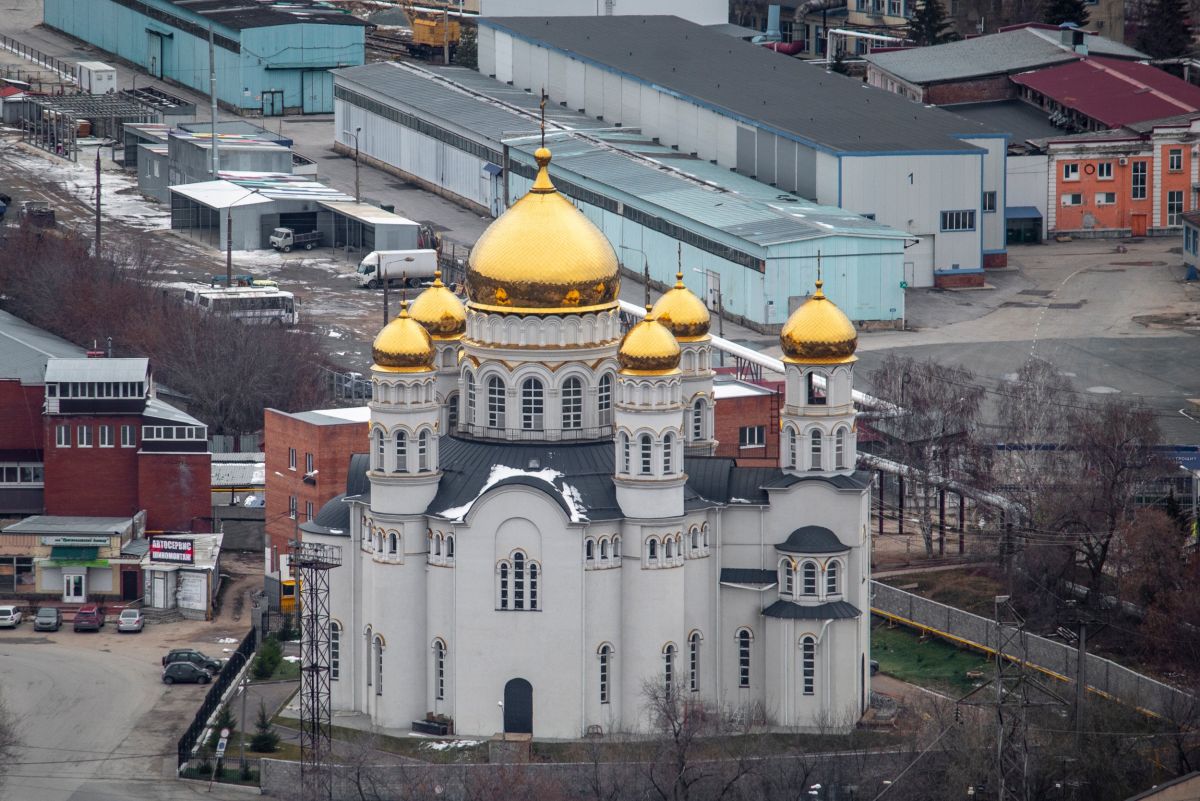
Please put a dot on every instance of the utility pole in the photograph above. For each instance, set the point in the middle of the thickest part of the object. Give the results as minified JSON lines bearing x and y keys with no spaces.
{"x":212,"y":92}
{"x":1081,"y":681}
{"x":446,"y":33}
{"x":229,"y":247}
{"x":357,"y":194}
{"x":96,"y":250}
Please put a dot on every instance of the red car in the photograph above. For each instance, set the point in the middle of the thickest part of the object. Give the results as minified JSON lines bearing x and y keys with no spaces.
{"x":90,"y":617}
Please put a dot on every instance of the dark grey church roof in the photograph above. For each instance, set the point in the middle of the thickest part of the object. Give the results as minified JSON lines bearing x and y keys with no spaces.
{"x":748,"y":575}
{"x":812,"y":539}
{"x":835,"y":610}
{"x":333,"y":520}
{"x":833,"y":112}
{"x":357,"y":484}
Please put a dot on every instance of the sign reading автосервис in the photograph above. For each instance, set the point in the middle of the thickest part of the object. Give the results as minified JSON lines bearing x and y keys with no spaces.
{"x":178,"y":551}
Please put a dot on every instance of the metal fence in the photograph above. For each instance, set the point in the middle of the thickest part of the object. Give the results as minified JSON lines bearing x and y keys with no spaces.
{"x":1051,"y":658}
{"x":63,"y":68}
{"x":216,"y":692}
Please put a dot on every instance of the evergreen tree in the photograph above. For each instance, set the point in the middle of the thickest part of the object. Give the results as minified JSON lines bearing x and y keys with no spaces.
{"x":265,"y":739}
{"x":467,"y":52}
{"x":1056,"y":12}
{"x":929,"y":25}
{"x":1165,"y":30}
{"x":225,"y":720}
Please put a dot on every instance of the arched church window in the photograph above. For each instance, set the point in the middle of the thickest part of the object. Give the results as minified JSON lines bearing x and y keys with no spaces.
{"x":470,"y":398}
{"x":669,"y":669}
{"x":393,"y":544}
{"x":450,"y":547}
{"x":624,"y":445}
{"x":604,"y":399}
{"x":808,"y":663}
{"x":423,"y":451}
{"x":604,"y":549}
{"x":744,"y":638}
{"x":572,"y":403}
{"x":694,"y":536}
{"x":605,"y":653}
{"x":502,"y":579}
{"x":787,"y":571}
{"x":518,"y":563}
{"x":816,"y":392}
{"x":652,"y":549}
{"x":815,"y":449}
{"x":617,"y":547}
{"x":495,"y":399}
{"x":533,"y":403}
{"x":380,"y":449}
{"x":335,"y":650}
{"x":439,"y":669}
{"x":534,"y":576}
{"x":839,"y":449}
{"x":668,"y":449}
{"x":668,"y":549}
{"x":646,"y":448}
{"x":809,"y":578}
{"x":791,"y":447}
{"x":401,"y":464}
{"x":378,"y":644}
{"x":698,"y":420}
{"x":452,"y":412}
{"x":589,"y":550}
{"x":832,"y":578}
{"x":694,"y":661}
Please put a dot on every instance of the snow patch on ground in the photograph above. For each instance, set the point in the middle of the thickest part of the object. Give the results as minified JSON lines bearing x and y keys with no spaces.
{"x":450,"y":745}
{"x":226,"y":640}
{"x":291,"y":659}
{"x":500,"y":472}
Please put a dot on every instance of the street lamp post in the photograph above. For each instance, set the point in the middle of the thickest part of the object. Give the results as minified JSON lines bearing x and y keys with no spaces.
{"x":229,"y":238}
{"x":645,"y":270}
{"x":357,"y":194}
{"x":386,"y":282}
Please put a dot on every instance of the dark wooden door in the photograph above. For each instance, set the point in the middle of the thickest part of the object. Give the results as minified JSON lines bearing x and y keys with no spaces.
{"x":518,"y":707}
{"x":130,"y":585}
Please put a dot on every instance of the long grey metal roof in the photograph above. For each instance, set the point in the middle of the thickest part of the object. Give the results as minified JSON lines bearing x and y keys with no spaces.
{"x":65,"y":524}
{"x":995,"y":54}
{"x":761,"y":88}
{"x":25,"y":349}
{"x":1015,"y":117}
{"x":76,"y":369}
{"x":161,"y":410}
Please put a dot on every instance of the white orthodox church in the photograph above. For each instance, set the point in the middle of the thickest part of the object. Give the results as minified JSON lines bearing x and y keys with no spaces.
{"x":540,"y":527}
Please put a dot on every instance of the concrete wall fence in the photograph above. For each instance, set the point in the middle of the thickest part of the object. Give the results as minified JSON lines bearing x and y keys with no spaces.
{"x":1054,"y":659}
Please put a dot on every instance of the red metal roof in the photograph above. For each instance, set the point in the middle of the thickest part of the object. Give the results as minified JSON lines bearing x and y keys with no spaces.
{"x":9,"y":91}
{"x":1113,"y":91}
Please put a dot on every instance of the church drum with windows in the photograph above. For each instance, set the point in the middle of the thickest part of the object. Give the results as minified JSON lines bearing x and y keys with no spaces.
{"x":540,"y":527}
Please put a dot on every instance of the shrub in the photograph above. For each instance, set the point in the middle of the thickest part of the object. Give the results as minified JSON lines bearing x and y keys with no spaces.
{"x":268,"y":659}
{"x":265,"y":739}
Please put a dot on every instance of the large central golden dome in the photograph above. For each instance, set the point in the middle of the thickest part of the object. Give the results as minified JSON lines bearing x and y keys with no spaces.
{"x":543,"y":256}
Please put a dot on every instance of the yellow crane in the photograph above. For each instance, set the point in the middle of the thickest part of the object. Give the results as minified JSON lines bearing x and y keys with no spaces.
{"x":433,"y":29}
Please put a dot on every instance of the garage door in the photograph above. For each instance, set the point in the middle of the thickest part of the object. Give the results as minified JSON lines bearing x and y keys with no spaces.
{"x":318,"y":92}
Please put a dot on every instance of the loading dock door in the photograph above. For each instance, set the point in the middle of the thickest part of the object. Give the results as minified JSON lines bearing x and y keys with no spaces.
{"x":918,"y":262}
{"x":272,"y":103}
{"x":154,"y":51}
{"x":318,"y":92}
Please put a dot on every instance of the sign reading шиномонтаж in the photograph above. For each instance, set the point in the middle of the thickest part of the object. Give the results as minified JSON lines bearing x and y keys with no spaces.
{"x":172,"y":550}
{"x":86,"y":542}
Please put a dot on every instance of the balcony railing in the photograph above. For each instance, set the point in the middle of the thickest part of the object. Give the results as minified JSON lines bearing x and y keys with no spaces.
{"x":538,"y":434}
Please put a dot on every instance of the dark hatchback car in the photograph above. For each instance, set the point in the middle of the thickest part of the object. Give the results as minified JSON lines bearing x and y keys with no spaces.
{"x":193,"y":657}
{"x":48,"y":618}
{"x":90,"y":617}
{"x":185,"y":673}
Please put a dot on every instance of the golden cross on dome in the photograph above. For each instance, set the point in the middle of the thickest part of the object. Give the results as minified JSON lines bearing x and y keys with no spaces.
{"x":542,"y":106}
{"x":818,"y":265}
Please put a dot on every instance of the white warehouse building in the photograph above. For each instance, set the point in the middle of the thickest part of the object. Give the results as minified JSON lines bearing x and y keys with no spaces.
{"x":824,"y":136}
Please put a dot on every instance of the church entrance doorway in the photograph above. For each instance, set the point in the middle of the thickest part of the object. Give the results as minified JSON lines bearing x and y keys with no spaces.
{"x":518,"y":707}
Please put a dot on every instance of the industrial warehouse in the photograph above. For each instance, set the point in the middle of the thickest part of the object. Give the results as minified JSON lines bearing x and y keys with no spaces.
{"x":821,"y":135}
{"x":751,"y":249}
{"x":269,"y":59}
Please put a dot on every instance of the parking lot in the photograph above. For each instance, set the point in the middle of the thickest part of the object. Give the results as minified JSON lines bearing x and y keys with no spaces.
{"x":94,"y":719}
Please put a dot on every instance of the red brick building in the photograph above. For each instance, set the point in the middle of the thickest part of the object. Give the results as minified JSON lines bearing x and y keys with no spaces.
{"x":307,"y":457}
{"x":746,"y":419}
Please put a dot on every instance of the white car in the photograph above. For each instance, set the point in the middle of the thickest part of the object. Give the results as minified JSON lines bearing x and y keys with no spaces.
{"x":10,"y":617}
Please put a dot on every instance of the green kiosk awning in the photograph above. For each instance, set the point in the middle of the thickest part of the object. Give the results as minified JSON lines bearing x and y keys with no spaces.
{"x":76,"y":555}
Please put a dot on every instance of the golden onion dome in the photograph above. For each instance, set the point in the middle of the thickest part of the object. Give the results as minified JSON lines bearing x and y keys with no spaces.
{"x":818,"y":333}
{"x":649,"y":348}
{"x":403,"y":346}
{"x":543,"y":256}
{"x":440,"y":310}
{"x":681,"y":311}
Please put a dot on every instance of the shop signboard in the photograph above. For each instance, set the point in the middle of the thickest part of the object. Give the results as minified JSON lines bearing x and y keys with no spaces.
{"x":177,"y":551}
{"x":85,"y":542}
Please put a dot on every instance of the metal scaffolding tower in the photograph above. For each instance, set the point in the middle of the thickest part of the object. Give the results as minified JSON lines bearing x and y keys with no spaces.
{"x":311,"y":563}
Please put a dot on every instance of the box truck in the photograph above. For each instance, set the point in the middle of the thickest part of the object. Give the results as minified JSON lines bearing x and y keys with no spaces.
{"x":95,"y":78}
{"x":395,"y":265}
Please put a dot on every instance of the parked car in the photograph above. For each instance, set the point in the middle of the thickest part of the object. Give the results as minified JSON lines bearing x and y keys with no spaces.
{"x":193,"y":657}
{"x":10,"y":617}
{"x":185,"y":673}
{"x":131,"y":620}
{"x":48,"y":618}
{"x":90,"y":617}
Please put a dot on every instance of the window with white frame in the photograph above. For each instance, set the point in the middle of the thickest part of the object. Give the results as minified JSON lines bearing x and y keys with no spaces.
{"x":787,"y":577}
{"x":401,"y":464}
{"x":832,"y":579}
{"x":808,"y":664}
{"x":83,"y":436}
{"x":393,"y":544}
{"x":308,"y":463}
{"x":572,"y":403}
{"x":449,"y":548}
{"x":292,"y":506}
{"x":62,"y":435}
{"x":989,"y":202}
{"x":604,"y":652}
{"x":470,"y":398}
{"x":791,"y":447}
{"x":1075,"y":199}
{"x":839,"y":449}
{"x":1137,"y":180}
{"x":128,"y":437}
{"x":533,"y":404}
{"x":669,"y":669}
{"x":604,"y":399}
{"x":439,"y":669}
{"x":744,"y":638}
{"x":698,"y":420}
{"x":16,"y":473}
{"x":106,"y":436}
{"x":380,"y":448}
{"x":958,"y":220}
{"x":1175,"y":207}
{"x":814,"y":449}
{"x":335,"y":650}
{"x":518,"y":583}
{"x":1104,"y":171}
{"x":1175,"y":159}
{"x":452,"y":411}
{"x":368,"y":670}
{"x":291,"y":458}
{"x":1106,"y":198}
{"x":694,"y":661}
{"x":752,"y":436}
{"x":668,"y":449}
{"x":589,"y":551}
{"x":652,"y":550}
{"x":808,"y":580}
{"x":646,"y":453}
{"x":1070,"y":171}
{"x":423,"y":451}
{"x":308,"y":510}
{"x":624,"y":446}
{"x":603,"y":547}
{"x":495,"y":400}
{"x":378,"y":665}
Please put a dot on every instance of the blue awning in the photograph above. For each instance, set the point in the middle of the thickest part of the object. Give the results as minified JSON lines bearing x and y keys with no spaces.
{"x":492,"y":169}
{"x":1022,"y":213}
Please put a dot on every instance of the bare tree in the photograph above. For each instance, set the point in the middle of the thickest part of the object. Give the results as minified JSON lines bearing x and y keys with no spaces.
{"x":8,"y":738}
{"x":934,"y":430}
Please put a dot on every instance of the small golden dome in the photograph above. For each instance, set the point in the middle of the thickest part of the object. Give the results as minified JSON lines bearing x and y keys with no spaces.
{"x":649,"y":348}
{"x":681,"y":311}
{"x":440,"y":310}
{"x":818,"y":333}
{"x":403,"y":346}
{"x":543,"y":256}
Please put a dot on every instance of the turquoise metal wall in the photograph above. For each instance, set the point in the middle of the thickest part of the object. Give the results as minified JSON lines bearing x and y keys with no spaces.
{"x":862,"y":274}
{"x":278,"y":68}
